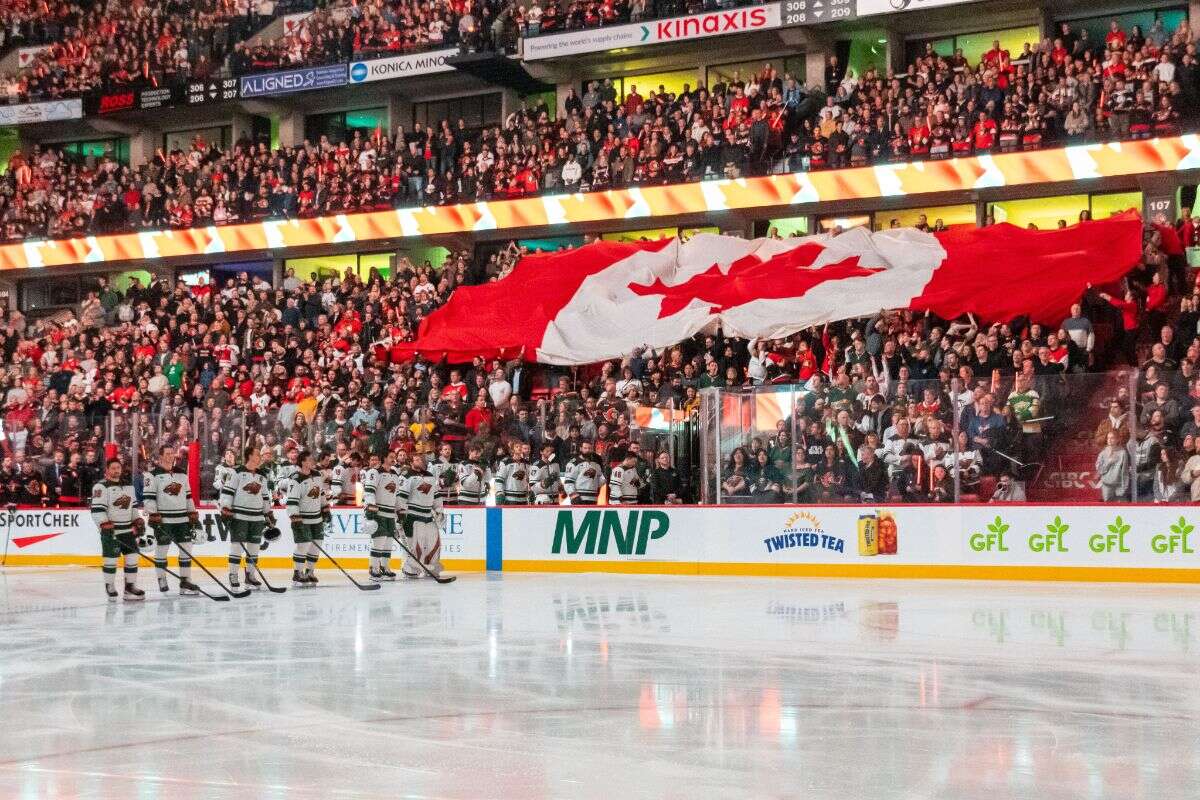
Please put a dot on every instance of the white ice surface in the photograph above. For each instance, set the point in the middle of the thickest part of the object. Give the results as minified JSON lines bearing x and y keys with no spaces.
{"x":600,"y":686}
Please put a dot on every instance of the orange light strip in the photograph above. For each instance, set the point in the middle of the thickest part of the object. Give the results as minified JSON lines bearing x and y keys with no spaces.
{"x":859,"y":183}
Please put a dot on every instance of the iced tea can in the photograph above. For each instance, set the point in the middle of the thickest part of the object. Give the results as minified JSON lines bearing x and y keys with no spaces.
{"x":868,"y":535}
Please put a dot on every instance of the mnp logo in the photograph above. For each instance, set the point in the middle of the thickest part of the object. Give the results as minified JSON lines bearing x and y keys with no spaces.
{"x":358,"y":72}
{"x":591,"y":532}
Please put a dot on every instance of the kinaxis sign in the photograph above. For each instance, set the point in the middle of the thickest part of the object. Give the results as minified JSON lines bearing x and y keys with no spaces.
{"x":676,"y":29}
{"x":1025,"y":542}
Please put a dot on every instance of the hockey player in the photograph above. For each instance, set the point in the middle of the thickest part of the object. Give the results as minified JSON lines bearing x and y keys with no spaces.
{"x":512,"y":478}
{"x":224,"y":473}
{"x":112,"y":509}
{"x":443,"y":469}
{"x":286,"y":472}
{"x":246,"y":508}
{"x":381,"y":490}
{"x":422,"y":502}
{"x":625,"y":482}
{"x":473,"y":479}
{"x":167,"y":499}
{"x":308,"y":508}
{"x":584,"y":476}
{"x":341,"y":479}
{"x":545,"y":478}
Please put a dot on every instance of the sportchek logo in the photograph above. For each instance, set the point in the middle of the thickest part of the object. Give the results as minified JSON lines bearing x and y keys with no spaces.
{"x":594,"y":532}
{"x":28,"y":541}
{"x":748,"y":19}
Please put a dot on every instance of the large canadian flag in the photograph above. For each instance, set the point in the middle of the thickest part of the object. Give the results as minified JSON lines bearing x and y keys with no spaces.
{"x":603,"y":300}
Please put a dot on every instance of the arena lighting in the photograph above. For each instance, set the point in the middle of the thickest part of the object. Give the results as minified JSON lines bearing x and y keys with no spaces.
{"x":911,"y":179}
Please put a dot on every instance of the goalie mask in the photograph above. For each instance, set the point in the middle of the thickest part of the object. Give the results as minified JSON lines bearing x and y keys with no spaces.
{"x":270,"y":534}
{"x":145,"y":540}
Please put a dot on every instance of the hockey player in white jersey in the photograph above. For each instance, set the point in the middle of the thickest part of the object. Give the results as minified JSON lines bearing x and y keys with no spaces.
{"x":584,"y":476}
{"x":167,"y":499}
{"x":625,"y":482}
{"x":308,"y":508}
{"x":113,"y":512}
{"x":246,"y":507}
{"x":422,"y":501}
{"x":342,"y":477}
{"x":512,"y":477}
{"x":381,"y":492}
{"x":443,"y":469}
{"x":474,"y":477}
{"x":545,"y":478}
{"x":286,"y":472}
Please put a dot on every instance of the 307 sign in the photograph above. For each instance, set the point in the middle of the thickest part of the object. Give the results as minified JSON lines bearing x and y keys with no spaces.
{"x":813,"y":12}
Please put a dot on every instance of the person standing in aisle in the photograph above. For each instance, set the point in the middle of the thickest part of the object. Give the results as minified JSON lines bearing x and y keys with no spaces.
{"x":113,"y":512}
{"x":167,"y":500}
{"x":422,"y":502}
{"x":308,"y":508}
{"x":246,"y":508}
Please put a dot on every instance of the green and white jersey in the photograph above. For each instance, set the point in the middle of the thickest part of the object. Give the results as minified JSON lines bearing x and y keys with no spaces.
{"x":113,"y":503}
{"x":341,"y":482}
{"x":421,"y":497}
{"x":512,"y":482}
{"x":473,"y":480}
{"x":167,"y":494}
{"x":624,"y":486}
{"x":544,"y":481}
{"x":381,"y":489}
{"x":285,"y":473}
{"x":248,"y":495}
{"x":223,"y":476}
{"x":445,"y":473}
{"x":306,"y":498}
{"x":584,"y":476}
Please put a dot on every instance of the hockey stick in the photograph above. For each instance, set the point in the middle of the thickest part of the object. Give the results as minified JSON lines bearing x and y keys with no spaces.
{"x":176,"y":576}
{"x":11,"y":508}
{"x":366,"y":587}
{"x":258,"y":569}
{"x":428,"y":571}
{"x":228,"y":591}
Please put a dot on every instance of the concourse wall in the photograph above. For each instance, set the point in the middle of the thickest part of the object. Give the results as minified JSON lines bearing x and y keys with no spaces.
{"x":1143,"y":543}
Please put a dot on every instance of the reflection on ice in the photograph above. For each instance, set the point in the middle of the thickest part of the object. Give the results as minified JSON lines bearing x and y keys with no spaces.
{"x":600,"y":686}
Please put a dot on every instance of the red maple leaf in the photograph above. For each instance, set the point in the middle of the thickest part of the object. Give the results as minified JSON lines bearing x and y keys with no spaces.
{"x":788,"y":274}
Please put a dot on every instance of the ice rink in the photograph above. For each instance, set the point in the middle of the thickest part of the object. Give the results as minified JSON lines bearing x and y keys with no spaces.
{"x":600,"y":686}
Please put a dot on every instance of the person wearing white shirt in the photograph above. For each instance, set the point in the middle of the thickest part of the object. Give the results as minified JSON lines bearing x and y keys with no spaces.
{"x":499,"y":389}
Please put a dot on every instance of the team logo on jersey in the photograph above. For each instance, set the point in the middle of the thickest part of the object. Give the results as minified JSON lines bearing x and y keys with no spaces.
{"x":519,"y":474}
{"x":252,"y":488}
{"x":314,"y":492}
{"x":389,"y":487}
{"x":424,"y":488}
{"x":124,"y":501}
{"x":99,"y":492}
{"x":589,"y":473}
{"x":173,"y":488}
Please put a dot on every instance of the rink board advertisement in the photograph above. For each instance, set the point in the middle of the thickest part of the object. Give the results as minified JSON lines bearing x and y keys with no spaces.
{"x":999,"y":542}
{"x":54,"y":536}
{"x":1003,"y":542}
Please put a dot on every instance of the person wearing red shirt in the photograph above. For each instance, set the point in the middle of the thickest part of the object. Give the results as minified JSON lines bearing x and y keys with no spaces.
{"x":1130,"y":319}
{"x":479,"y":414}
{"x":633,"y":100}
{"x":984,"y":132}
{"x":455,"y":386}
{"x":1115,"y":38}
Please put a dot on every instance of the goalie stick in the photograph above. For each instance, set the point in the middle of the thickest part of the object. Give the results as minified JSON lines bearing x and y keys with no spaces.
{"x":428,"y":571}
